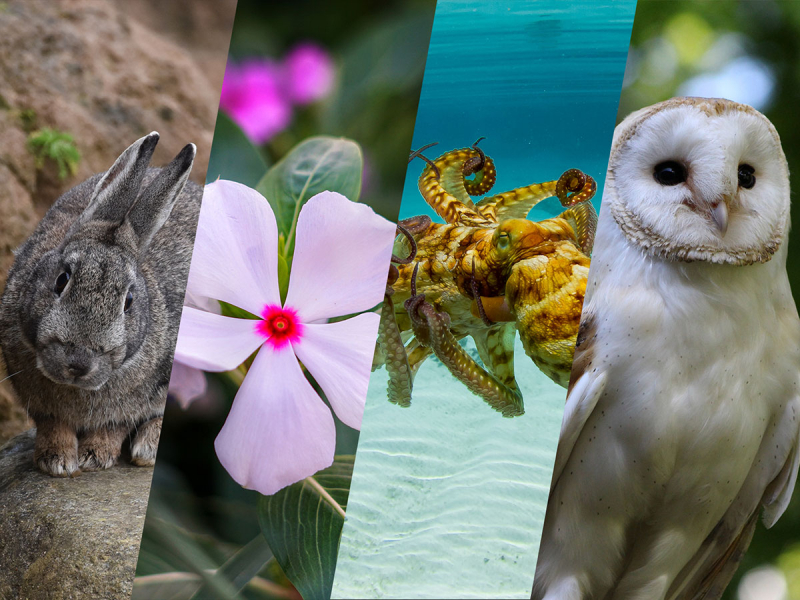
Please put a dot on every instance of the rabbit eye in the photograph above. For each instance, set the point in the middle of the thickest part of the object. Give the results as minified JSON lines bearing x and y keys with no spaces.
{"x":61,"y":282}
{"x":128,"y":301}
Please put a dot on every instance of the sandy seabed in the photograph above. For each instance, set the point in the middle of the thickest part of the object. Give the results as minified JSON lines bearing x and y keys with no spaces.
{"x":448,"y":497}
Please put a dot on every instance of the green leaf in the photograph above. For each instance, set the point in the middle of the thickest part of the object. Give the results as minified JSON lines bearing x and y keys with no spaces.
{"x":188,"y":553}
{"x":283,"y":277}
{"x":233,"y":155}
{"x":229,"y":310}
{"x":303,"y":523}
{"x":315,"y":165}
{"x":166,"y":586}
{"x":241,"y":567}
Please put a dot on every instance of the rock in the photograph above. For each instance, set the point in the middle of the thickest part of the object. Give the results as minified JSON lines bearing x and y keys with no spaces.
{"x":68,"y":539}
{"x":107,"y":73}
{"x":202,"y":28}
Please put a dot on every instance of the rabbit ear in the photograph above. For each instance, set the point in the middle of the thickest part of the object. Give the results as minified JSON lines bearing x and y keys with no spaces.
{"x":117,"y":190}
{"x":155,"y":204}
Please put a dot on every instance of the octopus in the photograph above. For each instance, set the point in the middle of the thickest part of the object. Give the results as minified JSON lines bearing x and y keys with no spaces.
{"x":487,"y":272}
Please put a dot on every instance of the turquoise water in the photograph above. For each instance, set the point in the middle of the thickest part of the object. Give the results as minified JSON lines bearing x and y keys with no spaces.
{"x":448,"y":497}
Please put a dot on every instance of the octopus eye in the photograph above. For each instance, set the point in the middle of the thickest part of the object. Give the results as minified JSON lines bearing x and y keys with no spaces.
{"x":504,"y":241}
{"x":747,"y":177}
{"x":670,"y":173}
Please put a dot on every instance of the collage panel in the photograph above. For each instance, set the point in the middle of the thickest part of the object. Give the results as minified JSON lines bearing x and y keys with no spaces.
{"x":448,"y":496}
{"x":680,"y":443}
{"x":466,"y":299}
{"x":107,"y":113}
{"x":280,"y":318}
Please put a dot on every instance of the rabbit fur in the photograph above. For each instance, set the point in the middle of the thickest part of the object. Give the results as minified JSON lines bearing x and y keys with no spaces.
{"x":91,"y":308}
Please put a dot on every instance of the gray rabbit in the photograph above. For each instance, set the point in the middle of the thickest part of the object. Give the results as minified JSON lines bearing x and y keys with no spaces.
{"x":90,"y":313}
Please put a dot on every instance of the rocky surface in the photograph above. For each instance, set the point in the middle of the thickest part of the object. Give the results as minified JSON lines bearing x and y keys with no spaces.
{"x":106,"y":72}
{"x":68,"y":539}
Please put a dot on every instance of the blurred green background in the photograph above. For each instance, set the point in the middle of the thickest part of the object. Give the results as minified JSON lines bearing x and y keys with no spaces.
{"x":379,"y":51}
{"x":198,"y":517}
{"x":747,"y":51}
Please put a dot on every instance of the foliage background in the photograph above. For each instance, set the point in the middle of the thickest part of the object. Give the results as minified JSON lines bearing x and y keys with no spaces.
{"x":199,"y":520}
{"x":747,"y":51}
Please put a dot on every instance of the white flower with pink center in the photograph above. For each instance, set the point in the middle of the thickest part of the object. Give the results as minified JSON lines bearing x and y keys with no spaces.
{"x":279,"y":430}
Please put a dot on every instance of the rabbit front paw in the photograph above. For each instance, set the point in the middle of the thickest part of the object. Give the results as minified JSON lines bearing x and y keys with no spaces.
{"x":100,"y":449}
{"x":56,"y":450}
{"x":145,"y":444}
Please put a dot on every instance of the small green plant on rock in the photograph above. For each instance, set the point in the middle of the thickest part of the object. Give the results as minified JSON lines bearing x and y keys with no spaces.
{"x":57,"y":146}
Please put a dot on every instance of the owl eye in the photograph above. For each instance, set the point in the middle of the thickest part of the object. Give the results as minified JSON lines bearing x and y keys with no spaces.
{"x":128,"y":301}
{"x":61,"y":282}
{"x":670,"y":173}
{"x":747,"y":178}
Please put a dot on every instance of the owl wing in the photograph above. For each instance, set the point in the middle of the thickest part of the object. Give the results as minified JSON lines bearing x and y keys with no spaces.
{"x":710,"y":570}
{"x":585,"y":388}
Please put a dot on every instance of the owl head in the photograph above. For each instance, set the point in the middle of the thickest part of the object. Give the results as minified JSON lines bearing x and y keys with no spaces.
{"x":699,"y":179}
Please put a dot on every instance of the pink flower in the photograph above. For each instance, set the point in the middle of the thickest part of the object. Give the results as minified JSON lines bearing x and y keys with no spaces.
{"x":186,"y":384}
{"x":252,"y":96}
{"x":309,"y":73}
{"x":279,"y":430}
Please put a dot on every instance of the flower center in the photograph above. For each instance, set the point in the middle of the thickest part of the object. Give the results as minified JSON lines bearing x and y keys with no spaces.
{"x":280,"y":326}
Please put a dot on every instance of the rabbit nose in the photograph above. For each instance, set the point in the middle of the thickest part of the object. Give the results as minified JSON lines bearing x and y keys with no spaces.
{"x":78,"y":368}
{"x":79,"y":362}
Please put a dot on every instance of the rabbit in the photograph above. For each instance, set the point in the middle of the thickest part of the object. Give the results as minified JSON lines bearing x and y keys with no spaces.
{"x":90,"y":313}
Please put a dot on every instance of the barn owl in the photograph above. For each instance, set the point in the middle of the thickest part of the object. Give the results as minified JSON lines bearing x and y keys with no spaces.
{"x":681,"y":423}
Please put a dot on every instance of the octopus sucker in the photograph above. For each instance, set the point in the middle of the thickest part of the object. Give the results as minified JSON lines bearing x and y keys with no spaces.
{"x":394,"y":356}
{"x":487,"y":273}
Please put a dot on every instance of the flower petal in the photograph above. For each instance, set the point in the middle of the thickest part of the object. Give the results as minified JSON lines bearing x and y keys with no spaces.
{"x":215,"y":343}
{"x":341,"y":258}
{"x":235,"y":255}
{"x":279,"y":431}
{"x":339,"y":356}
{"x":186,"y":384}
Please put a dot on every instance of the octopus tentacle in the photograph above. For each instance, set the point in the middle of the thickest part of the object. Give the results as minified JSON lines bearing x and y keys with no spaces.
{"x":411,"y":242}
{"x":432,"y":329}
{"x":408,"y":228}
{"x":418,"y":154}
{"x":575,"y":186}
{"x":390,"y":339}
{"x":516,"y":204}
{"x":474,"y":163}
{"x":482,"y":167}
{"x":445,"y":346}
{"x":415,"y":225}
{"x":442,"y":184}
{"x":496,"y":349}
{"x":395,"y":358}
{"x":583,"y":218}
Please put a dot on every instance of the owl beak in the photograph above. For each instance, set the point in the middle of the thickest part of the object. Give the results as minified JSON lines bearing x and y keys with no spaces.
{"x":719,"y":215}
